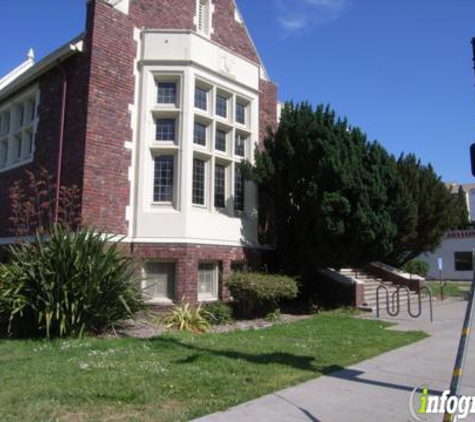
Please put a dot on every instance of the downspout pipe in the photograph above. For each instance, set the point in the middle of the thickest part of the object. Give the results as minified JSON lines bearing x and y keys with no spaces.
{"x":473,"y":48}
{"x":59,"y":166}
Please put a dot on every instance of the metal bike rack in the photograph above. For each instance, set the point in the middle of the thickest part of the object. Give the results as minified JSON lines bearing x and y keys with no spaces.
{"x":393,"y":312}
{"x":394,"y":307}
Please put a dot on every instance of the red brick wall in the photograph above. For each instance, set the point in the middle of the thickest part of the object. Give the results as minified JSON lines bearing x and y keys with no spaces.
{"x":267,"y":107}
{"x":111,"y":90}
{"x":187,"y":259}
{"x":47,"y":135}
{"x":230,"y":33}
{"x":113,"y":50}
{"x":100,"y":89}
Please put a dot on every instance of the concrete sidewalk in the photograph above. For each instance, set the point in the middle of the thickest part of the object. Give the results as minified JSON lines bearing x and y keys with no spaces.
{"x":375,"y":390}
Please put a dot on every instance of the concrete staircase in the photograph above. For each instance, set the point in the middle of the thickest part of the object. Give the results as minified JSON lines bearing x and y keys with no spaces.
{"x":371,"y":283}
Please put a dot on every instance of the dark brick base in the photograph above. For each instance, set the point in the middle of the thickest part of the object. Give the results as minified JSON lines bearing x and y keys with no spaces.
{"x":187,"y":259}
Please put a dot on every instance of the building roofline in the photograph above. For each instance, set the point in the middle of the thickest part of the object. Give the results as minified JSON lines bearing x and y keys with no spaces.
{"x":62,"y":53}
{"x":263,"y":67}
{"x":21,"y":68}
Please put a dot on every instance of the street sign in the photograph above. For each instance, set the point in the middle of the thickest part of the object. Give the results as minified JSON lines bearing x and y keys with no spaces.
{"x":440,"y":263}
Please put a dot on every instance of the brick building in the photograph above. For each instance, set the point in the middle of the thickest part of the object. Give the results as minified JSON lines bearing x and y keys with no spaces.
{"x":148,"y":112}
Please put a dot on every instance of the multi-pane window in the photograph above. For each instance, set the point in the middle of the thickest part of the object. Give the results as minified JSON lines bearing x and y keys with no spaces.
{"x":3,"y":153}
{"x":167,"y":92}
{"x":219,"y":186}
{"x":201,"y":98}
{"x":220,"y":140}
{"x":28,"y":138}
{"x":241,"y":113}
{"x":199,"y":136}
{"x":5,"y":123}
{"x":165,"y":130}
{"x":208,"y":281}
{"x":159,"y":281}
{"x":17,"y":132}
{"x":17,"y":147}
{"x":163,"y":178}
{"x":19,"y":116}
{"x":240,"y":145}
{"x":31,"y":109}
{"x":238,"y":190}
{"x":199,"y":181}
{"x":221,"y":106}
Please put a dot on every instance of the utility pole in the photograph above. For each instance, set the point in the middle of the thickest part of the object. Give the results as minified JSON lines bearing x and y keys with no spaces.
{"x":467,"y":324}
{"x":473,"y":47}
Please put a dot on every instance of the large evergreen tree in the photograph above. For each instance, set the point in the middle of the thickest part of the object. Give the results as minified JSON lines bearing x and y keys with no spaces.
{"x":434,"y":211}
{"x":461,"y":216}
{"x":333,"y":192}
{"x":335,"y":199}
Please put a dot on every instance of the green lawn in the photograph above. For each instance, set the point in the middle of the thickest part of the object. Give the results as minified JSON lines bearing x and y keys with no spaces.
{"x":452,"y":289}
{"x":178,"y":376}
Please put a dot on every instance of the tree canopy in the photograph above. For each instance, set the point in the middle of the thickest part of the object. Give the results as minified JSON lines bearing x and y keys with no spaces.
{"x":336,"y":199}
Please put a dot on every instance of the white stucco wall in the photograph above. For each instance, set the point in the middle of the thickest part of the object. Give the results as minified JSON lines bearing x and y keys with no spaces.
{"x":446,"y":251}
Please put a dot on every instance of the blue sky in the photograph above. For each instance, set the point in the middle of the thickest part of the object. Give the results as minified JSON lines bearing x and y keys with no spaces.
{"x":399,"y":69}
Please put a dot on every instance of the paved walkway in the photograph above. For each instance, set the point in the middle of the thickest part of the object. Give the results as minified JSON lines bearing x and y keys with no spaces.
{"x":375,"y":390}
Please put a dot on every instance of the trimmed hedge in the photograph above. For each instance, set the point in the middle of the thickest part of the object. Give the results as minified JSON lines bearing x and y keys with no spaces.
{"x":219,"y":313}
{"x":256,"y":292}
{"x":417,"y":266}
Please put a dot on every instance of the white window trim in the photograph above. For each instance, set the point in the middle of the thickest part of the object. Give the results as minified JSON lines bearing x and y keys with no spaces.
{"x":207,"y":182}
{"x":210,"y":154}
{"x":158,"y":153}
{"x":209,"y":31}
{"x":30,"y":127}
{"x":214,"y":295}
{"x":158,"y":300}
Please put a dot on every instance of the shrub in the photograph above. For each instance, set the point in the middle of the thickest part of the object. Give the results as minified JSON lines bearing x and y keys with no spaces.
{"x":186,"y":317}
{"x":219,"y":313}
{"x":256,"y":291}
{"x":416,"y":266}
{"x":275,"y":316}
{"x":68,"y":284}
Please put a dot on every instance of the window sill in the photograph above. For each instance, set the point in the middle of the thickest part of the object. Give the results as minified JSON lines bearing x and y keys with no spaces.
{"x":159,"y":301}
{"x":207,"y":299}
{"x":165,"y":144}
{"x":165,"y":108}
{"x":16,"y":165}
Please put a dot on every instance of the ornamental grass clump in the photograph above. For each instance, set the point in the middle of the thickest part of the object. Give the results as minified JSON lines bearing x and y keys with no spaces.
{"x":186,"y":317}
{"x":68,"y":283}
{"x":261,"y":293}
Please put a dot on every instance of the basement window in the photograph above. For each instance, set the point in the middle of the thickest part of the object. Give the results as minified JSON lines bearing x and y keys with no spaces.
{"x":208,"y":281}
{"x":159,"y":283}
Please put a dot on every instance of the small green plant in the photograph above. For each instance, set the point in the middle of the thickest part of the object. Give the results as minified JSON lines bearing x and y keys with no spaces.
{"x":186,"y":317}
{"x":275,"y":316}
{"x":219,"y":313}
{"x":256,"y":292}
{"x":67,"y":284}
{"x":417,"y":266}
